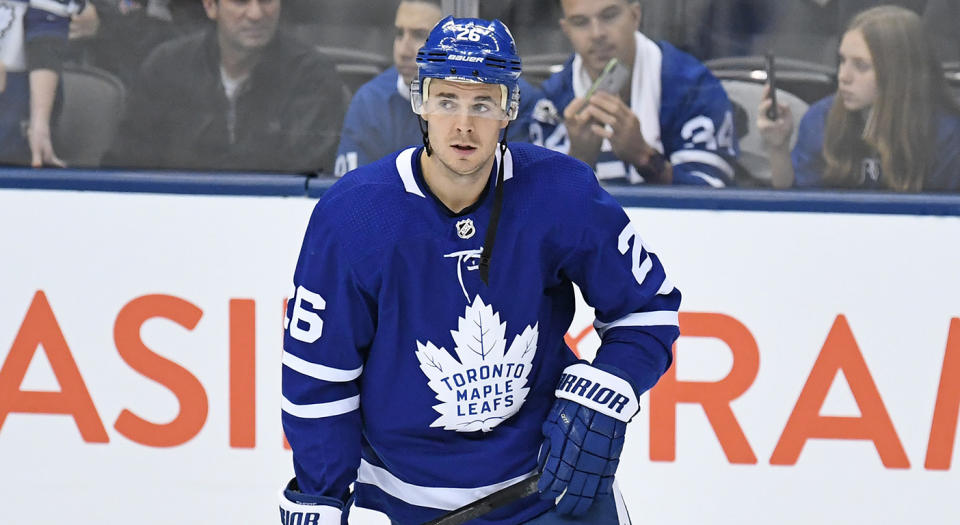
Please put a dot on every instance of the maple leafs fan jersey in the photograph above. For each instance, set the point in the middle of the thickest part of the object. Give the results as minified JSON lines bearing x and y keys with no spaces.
{"x":405,"y":373}
{"x":809,"y":165}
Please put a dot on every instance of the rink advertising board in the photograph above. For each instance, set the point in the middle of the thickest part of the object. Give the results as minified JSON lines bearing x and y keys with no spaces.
{"x":817,"y":378}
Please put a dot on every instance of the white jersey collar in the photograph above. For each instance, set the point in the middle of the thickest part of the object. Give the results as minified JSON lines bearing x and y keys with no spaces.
{"x":405,"y":169}
{"x":404,"y":165}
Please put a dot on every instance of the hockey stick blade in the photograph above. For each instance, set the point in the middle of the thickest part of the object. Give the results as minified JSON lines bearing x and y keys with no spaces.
{"x":500,"y":498}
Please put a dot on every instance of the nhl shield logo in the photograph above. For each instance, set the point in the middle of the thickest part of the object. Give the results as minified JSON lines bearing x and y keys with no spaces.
{"x":465,"y":228}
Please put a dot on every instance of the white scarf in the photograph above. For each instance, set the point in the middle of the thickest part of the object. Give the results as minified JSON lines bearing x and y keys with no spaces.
{"x":644,"y":89}
{"x":402,"y":87}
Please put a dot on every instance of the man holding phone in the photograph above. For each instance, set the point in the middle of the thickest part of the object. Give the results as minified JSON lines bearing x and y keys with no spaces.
{"x":659,"y":117}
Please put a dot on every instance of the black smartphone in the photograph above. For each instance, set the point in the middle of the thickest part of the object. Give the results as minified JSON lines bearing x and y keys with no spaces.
{"x":773,"y":113}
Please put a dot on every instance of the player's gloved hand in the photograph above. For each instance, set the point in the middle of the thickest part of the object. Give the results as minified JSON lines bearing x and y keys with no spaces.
{"x":584,"y":436}
{"x":299,"y":508}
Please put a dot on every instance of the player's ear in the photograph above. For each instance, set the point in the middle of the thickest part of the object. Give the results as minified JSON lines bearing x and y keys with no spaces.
{"x":503,"y":123}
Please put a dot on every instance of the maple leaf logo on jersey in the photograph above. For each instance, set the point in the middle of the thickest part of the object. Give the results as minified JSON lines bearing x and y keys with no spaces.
{"x":488,"y":384}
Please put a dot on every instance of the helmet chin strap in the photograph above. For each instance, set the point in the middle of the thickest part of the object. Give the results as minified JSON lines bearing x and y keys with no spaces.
{"x":494,"y":213}
{"x":426,"y":137}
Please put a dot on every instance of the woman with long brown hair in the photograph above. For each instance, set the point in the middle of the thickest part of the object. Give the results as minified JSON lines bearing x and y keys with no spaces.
{"x":891,"y":125}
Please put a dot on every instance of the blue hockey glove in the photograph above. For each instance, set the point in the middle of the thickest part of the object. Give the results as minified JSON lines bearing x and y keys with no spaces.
{"x":584,"y":436}
{"x":299,"y":508}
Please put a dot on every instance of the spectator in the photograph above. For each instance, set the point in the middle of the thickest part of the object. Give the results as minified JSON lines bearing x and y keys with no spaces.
{"x":241,"y":96}
{"x":379,"y":120}
{"x":33,"y":41}
{"x":892,"y":124}
{"x":672,"y":122}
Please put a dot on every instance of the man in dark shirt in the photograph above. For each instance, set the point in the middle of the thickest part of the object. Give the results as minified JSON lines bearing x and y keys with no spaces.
{"x":242,"y":96}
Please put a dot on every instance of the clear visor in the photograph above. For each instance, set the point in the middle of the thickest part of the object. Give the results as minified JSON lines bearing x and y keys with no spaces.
{"x":449,"y":104}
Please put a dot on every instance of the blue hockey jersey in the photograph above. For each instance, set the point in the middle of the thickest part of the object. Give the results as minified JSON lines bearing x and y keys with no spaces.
{"x":405,"y":373}
{"x":21,"y":22}
{"x":380,"y":121}
{"x":809,"y":164}
{"x":683,"y":110}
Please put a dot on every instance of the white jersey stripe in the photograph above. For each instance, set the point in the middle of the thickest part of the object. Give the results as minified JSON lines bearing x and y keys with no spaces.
{"x":610,"y":169}
{"x":60,"y":9}
{"x":406,"y":172}
{"x":320,"y":410}
{"x":711,"y":180}
{"x":644,"y":268}
{"x":659,"y":318}
{"x":703,"y":157}
{"x":507,"y":166}
{"x":623,"y":517}
{"x":321,"y":372}
{"x":666,"y":288}
{"x":444,"y":498}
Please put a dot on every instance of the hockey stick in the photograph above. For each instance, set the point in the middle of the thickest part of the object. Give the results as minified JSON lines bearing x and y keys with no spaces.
{"x":517,"y":491}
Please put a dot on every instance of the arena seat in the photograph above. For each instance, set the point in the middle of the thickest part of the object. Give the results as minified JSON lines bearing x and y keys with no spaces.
{"x":810,"y":81}
{"x":952,"y":71}
{"x":746,"y":96}
{"x":537,"y":68}
{"x":355,"y":67}
{"x":93,"y":103}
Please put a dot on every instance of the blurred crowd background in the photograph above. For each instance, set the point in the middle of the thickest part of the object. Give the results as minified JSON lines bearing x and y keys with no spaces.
{"x":317,"y":86}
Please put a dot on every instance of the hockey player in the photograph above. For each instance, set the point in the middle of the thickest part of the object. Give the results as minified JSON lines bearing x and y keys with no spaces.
{"x":670,"y":123}
{"x":424,"y":358}
{"x":379,"y":121}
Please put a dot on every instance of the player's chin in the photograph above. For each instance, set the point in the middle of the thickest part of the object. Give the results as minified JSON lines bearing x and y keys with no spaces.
{"x":464,"y":165}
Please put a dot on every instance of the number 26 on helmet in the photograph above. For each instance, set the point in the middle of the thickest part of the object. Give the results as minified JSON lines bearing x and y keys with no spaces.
{"x":468,"y":50}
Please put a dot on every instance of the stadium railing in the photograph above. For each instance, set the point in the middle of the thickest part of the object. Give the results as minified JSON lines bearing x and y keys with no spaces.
{"x":287,"y":185}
